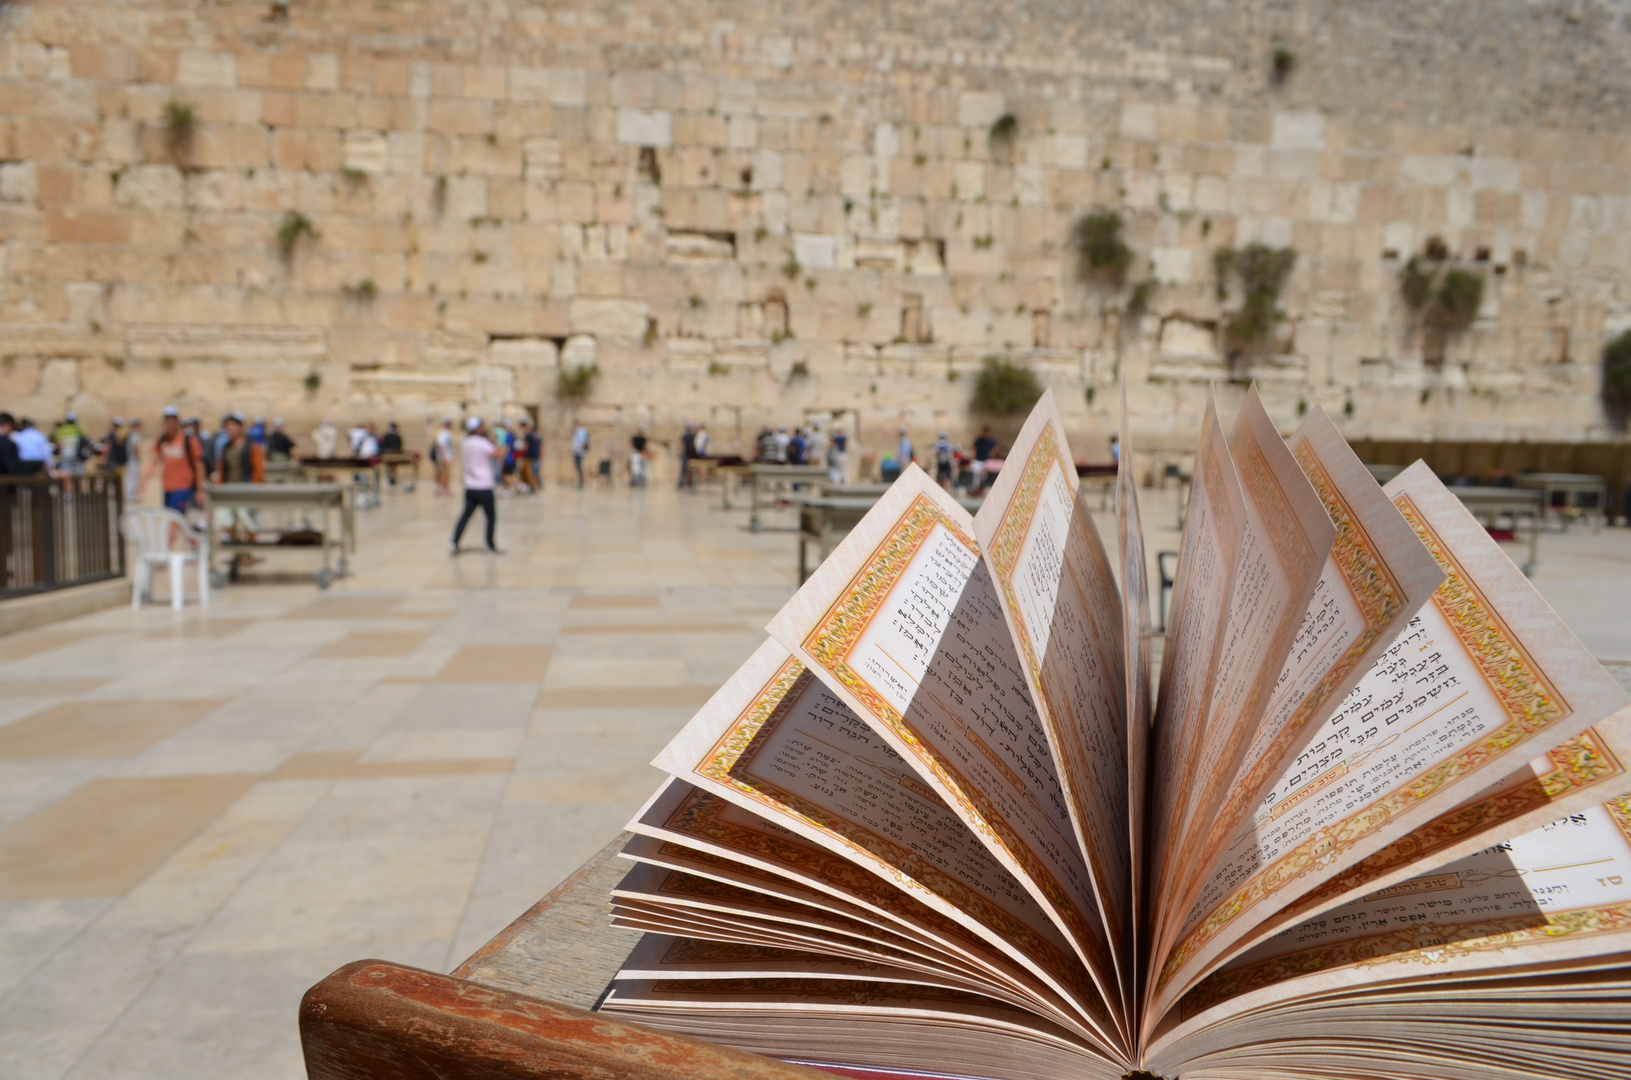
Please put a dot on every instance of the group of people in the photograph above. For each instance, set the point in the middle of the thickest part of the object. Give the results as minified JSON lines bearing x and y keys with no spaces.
{"x":183,"y":455}
{"x":518,"y":468}
{"x":805,"y":446}
{"x":953,"y":466}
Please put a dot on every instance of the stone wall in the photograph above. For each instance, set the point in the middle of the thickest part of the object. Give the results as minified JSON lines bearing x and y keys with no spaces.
{"x":750,"y":213}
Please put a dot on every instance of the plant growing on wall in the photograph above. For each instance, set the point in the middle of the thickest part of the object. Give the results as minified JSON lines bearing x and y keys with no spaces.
{"x":179,"y":125}
{"x":1443,"y":296}
{"x":291,"y":230}
{"x":1616,"y":391}
{"x":1261,"y":272}
{"x":362,"y":292}
{"x":576,"y":383}
{"x":1281,"y":64}
{"x":1101,"y":254}
{"x":1003,"y":388}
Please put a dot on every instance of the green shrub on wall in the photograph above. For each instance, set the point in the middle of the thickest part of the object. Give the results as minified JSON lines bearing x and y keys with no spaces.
{"x":1261,"y":272}
{"x":1004,"y":388}
{"x":1101,"y":254}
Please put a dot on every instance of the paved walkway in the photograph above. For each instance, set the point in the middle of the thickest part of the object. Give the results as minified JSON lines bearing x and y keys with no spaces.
{"x":203,"y":813}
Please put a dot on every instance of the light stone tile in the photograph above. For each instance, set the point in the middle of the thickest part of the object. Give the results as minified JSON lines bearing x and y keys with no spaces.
{"x":377,"y":861}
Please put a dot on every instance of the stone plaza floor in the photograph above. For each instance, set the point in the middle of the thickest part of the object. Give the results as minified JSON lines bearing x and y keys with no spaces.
{"x":202,"y":813}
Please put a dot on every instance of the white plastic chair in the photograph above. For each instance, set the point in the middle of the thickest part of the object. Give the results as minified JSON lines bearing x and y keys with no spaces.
{"x":155,"y":531}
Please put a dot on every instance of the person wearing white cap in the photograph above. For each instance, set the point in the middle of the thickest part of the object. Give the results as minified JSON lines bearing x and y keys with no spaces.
{"x":480,"y":459}
{"x":441,"y":456}
{"x":279,"y":447}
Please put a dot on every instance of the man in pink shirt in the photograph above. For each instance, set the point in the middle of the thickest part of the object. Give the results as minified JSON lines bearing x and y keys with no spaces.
{"x":480,"y":460}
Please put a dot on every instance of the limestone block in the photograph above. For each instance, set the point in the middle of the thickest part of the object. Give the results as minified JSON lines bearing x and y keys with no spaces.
{"x":1172,"y":265}
{"x":816,"y":252}
{"x":199,"y":67}
{"x":87,"y":302}
{"x":579,"y":351}
{"x":466,"y":197}
{"x":645,"y":127}
{"x":979,"y":109}
{"x":1299,"y":131}
{"x":322,"y":71}
{"x":366,"y":151}
{"x":741,"y":131}
{"x":609,"y":318}
{"x":18,"y":182}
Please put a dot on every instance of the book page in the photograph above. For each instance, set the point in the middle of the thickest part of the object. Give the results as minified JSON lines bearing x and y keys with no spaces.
{"x":904,"y":623}
{"x":1284,"y":539}
{"x":1571,"y":776}
{"x":1377,"y":574}
{"x":1484,"y":677}
{"x":1059,"y":596}
{"x":1562,"y":890}
{"x":1200,"y":593}
{"x":1135,"y":610}
{"x":709,"y":825}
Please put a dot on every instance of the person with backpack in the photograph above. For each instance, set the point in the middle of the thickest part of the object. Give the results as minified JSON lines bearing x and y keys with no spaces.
{"x":179,"y":459}
{"x":73,"y":445}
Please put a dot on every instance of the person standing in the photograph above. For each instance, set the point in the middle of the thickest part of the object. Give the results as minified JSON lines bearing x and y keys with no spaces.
{"x":257,"y":431}
{"x":241,"y":460}
{"x":815,"y":445}
{"x":326,"y":438}
{"x":534,"y":458}
{"x":441,"y":456}
{"x":580,"y":447}
{"x":943,"y":455}
{"x":782,"y":439}
{"x":688,"y":450}
{"x":905,"y":455}
{"x":73,"y":445}
{"x":637,"y":457}
{"x":33,"y":449}
{"x":279,"y":447}
{"x":838,"y":457}
{"x":179,"y":459}
{"x":10,"y":463}
{"x":984,"y":447}
{"x":479,"y":460}
{"x":126,"y":454}
{"x":702,"y":440}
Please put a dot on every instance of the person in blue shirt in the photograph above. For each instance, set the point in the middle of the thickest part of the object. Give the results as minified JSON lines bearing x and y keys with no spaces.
{"x":905,"y":455}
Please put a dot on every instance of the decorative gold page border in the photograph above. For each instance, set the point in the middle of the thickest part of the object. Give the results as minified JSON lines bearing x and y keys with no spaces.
{"x":1582,"y":761}
{"x":1293,"y":551}
{"x":727,"y":763}
{"x":1529,"y":699}
{"x":833,"y":637}
{"x":1380,"y":600}
{"x":1426,"y":944}
{"x":1010,"y":541}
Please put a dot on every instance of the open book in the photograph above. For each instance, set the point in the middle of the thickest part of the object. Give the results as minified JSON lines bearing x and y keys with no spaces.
{"x":1372,"y":824}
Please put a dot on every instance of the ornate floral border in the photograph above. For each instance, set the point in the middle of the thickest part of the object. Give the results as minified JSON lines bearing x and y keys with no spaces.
{"x":1581,"y":761}
{"x":1004,"y":556}
{"x":829,"y":643}
{"x":1528,"y":698}
{"x":1380,"y":600}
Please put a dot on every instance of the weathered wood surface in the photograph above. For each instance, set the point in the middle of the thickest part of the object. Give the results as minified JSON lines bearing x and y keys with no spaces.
{"x":565,"y":948}
{"x":373,"y":1020}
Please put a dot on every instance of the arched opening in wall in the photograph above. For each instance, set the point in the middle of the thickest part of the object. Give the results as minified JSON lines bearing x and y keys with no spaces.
{"x":650,"y":170}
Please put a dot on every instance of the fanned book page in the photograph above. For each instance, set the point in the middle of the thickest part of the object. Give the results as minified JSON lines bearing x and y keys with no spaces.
{"x":1374,"y":824}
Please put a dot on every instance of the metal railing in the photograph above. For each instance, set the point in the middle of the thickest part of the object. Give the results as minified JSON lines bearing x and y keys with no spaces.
{"x":59,"y":531}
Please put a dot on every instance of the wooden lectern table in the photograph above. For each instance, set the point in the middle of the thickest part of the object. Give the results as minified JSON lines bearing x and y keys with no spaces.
{"x":489,"y":1020}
